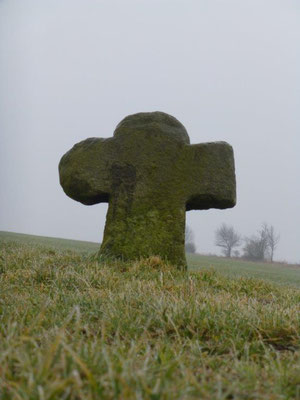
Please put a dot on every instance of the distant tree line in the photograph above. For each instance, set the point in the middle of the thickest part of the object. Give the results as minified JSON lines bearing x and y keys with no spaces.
{"x":258,"y":247}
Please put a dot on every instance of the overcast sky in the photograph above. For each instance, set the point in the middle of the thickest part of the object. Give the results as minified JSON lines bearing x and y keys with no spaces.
{"x":227,"y":69}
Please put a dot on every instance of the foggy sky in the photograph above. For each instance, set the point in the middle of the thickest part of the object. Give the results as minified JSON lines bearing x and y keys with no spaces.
{"x":228,"y":70}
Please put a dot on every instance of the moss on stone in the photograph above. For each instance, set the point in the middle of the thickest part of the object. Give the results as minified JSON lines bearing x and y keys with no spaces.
{"x":150,"y":175}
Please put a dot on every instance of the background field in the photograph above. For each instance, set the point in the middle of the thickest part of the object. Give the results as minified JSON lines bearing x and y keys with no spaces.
{"x":281,"y":273}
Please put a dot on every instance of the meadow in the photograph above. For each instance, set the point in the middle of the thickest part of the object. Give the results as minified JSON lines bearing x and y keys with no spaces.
{"x":71,"y":328}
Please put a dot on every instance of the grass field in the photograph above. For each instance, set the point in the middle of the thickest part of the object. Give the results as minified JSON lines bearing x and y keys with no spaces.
{"x":49,"y":242}
{"x":279,"y":273}
{"x":73,"y":329}
{"x":285,"y":274}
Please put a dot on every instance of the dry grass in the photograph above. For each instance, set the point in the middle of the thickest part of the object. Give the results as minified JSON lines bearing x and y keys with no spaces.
{"x":73,"y":329}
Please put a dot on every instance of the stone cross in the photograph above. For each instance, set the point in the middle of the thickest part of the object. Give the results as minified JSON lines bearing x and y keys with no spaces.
{"x":150,"y":175}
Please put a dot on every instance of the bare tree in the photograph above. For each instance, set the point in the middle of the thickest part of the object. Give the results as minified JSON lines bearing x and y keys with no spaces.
{"x":190,"y":246}
{"x":258,"y":247}
{"x":236,"y":254}
{"x":273,"y":240}
{"x":227,"y":238}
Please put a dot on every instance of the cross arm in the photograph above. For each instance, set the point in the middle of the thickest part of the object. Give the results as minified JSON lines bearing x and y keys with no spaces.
{"x":210,"y":177}
{"x":84,"y":170}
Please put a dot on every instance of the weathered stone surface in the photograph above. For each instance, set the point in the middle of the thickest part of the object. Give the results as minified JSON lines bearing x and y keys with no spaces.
{"x":150,"y":175}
